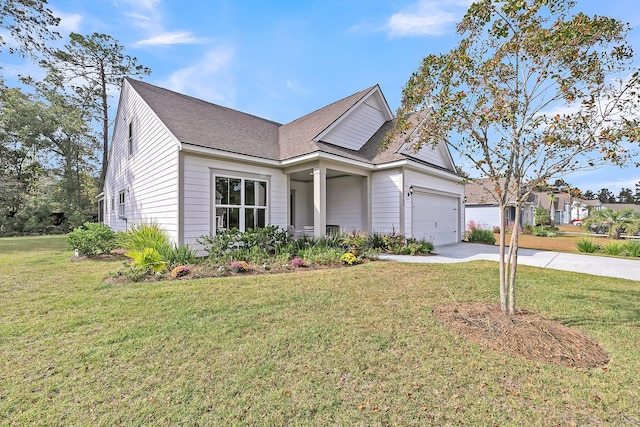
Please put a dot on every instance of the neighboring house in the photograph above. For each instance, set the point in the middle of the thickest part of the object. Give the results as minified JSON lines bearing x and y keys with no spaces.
{"x":194,"y":168}
{"x":481,"y":205}
{"x":620,"y":206}
{"x":560,"y":209}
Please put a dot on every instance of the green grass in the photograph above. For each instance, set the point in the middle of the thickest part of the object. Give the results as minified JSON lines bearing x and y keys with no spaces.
{"x":351,"y":346}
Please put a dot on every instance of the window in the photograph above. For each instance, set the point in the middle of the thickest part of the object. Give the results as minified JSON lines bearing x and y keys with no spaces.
{"x":121,"y":204}
{"x":240,"y":203}
{"x":113,"y":204}
{"x":131,"y":138}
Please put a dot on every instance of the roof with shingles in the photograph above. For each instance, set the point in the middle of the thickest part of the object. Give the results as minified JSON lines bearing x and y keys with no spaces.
{"x":201,"y":123}
{"x":197,"y":122}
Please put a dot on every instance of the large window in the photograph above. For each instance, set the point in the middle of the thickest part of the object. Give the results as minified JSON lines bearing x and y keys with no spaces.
{"x":240,"y":203}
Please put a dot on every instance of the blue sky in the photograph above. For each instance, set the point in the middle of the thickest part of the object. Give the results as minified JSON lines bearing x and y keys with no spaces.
{"x":283,"y":59}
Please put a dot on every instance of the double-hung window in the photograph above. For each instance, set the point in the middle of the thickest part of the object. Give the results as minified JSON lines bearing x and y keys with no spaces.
{"x":240,"y":203}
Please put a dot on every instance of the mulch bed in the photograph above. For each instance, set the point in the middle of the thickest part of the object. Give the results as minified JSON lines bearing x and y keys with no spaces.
{"x":524,"y":335}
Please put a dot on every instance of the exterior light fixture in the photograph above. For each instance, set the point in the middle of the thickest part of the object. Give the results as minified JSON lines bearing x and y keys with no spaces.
{"x":464,"y":200}
{"x":410,"y":191}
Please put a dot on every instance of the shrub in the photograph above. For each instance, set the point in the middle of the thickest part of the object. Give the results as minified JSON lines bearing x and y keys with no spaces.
{"x":92,"y":239}
{"x":348,"y":258}
{"x":148,"y":259}
{"x":480,"y":235}
{"x":178,"y":255}
{"x":545,"y":231}
{"x":417,"y":247}
{"x":613,"y":248}
{"x":376,"y":241}
{"x":233,"y":242}
{"x":144,"y":236}
{"x":321,"y":256}
{"x":394,"y":242}
{"x":528,"y":229}
{"x":632,"y":248}
{"x":587,"y":246}
{"x":355,"y":239}
{"x":541,"y":216}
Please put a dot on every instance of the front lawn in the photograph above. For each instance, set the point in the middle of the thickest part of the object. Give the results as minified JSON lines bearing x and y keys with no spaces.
{"x":352,"y":346}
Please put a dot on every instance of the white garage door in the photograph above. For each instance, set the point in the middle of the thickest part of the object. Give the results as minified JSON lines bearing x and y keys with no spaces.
{"x":436,"y":218}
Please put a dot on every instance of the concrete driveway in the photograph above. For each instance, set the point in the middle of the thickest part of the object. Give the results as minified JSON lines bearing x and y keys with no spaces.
{"x":589,"y":264}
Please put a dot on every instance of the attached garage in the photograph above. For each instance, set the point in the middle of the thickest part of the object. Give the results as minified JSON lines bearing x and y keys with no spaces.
{"x":436,"y":217}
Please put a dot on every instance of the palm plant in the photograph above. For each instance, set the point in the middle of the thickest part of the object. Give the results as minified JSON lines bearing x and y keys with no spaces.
{"x":614,"y":223}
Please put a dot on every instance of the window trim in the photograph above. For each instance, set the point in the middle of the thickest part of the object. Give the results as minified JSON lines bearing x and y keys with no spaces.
{"x":243,"y":177}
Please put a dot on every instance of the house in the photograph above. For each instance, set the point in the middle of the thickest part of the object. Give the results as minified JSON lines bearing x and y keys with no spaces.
{"x":481,"y":205}
{"x":195,"y":168}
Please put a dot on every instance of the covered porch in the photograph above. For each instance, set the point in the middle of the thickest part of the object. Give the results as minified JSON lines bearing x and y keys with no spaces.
{"x":328,"y":198}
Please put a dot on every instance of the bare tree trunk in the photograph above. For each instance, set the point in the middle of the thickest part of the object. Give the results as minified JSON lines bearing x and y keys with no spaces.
{"x":513,"y":255}
{"x":503,"y":267}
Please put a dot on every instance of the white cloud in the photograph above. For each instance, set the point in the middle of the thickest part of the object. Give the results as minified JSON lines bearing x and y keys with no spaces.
{"x":170,"y":38}
{"x":69,"y":22}
{"x":427,"y":18}
{"x":207,"y":79}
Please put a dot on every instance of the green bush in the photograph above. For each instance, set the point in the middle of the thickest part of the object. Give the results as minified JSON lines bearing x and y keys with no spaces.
{"x":142,"y":236}
{"x":613,"y":248}
{"x":178,"y":255}
{"x":480,"y":235}
{"x":92,"y":239}
{"x":394,"y":242}
{"x":148,"y":259}
{"x":632,"y":248}
{"x":321,"y":256}
{"x":376,"y":241}
{"x":545,"y":231}
{"x":234,"y":242}
{"x":587,"y":246}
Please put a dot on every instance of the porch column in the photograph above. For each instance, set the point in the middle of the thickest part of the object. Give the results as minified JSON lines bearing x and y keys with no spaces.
{"x":319,"y":201}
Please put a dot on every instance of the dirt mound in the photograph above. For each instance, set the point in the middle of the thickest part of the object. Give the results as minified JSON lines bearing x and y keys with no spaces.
{"x":525,"y":335}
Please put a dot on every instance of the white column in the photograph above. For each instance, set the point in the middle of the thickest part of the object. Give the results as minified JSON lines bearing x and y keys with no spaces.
{"x":319,"y":201}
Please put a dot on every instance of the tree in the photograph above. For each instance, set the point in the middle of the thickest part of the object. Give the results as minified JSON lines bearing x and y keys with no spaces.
{"x":495,"y":99}
{"x":44,"y":138}
{"x":28,"y":23}
{"x":636,"y":197}
{"x":552,"y":208}
{"x":91,"y":65}
{"x":606,"y":196}
{"x":614,"y":223}
{"x":589,"y":195}
{"x":20,"y":167}
{"x":625,"y":195}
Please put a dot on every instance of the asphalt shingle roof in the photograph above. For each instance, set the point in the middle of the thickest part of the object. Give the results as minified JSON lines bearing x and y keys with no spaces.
{"x":201,"y":123}
{"x":197,"y":122}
